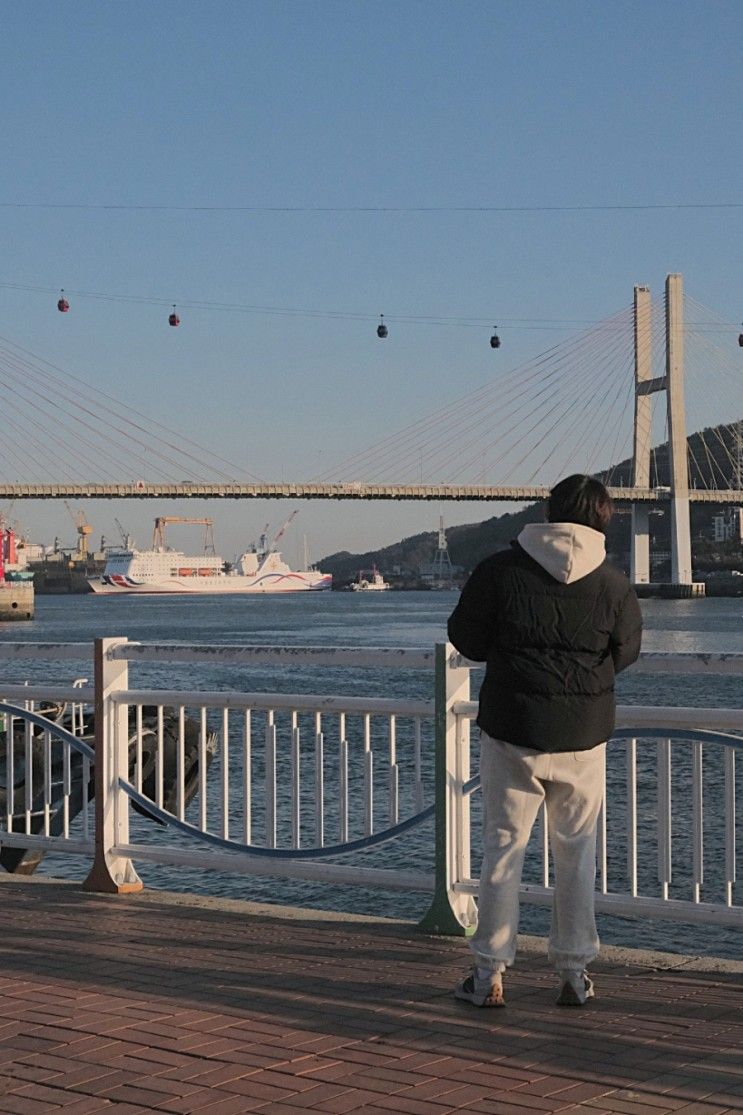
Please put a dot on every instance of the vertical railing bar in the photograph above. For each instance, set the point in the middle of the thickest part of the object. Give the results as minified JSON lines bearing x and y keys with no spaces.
{"x":319,"y":783}
{"x":664,"y":814}
{"x":697,"y":820}
{"x":270,"y":795}
{"x":29,"y":772}
{"x":247,"y":777}
{"x":419,"y":799}
{"x":296,"y":790}
{"x":342,"y":779}
{"x":729,"y":767}
{"x":203,"y":792}
{"x":86,"y":798}
{"x":66,"y":788}
{"x":368,"y":778}
{"x":545,"y":842}
{"x":47,"y":744}
{"x":9,"y":770}
{"x":394,"y":777}
{"x":138,"y":747}
{"x":462,"y":850}
{"x":180,"y":765}
{"x":159,"y":758}
{"x":632,"y":815}
{"x":225,"y":772}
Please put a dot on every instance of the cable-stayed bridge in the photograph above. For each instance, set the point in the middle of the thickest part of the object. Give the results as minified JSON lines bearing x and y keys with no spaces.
{"x":584,"y":405}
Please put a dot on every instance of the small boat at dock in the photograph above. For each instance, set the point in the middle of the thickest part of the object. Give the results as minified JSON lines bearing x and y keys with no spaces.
{"x":369,"y":580}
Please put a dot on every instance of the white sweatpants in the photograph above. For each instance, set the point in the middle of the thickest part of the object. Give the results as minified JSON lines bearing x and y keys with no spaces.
{"x":515,"y":782}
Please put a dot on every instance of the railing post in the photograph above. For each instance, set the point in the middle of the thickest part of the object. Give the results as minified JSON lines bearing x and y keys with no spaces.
{"x":450,"y":913}
{"x":111,"y":873}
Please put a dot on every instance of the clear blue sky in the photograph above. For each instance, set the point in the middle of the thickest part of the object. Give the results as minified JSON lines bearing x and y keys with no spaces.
{"x":350,"y":103}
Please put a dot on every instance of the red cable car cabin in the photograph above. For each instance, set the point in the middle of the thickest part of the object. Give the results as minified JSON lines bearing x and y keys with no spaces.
{"x":63,"y":305}
{"x":173,"y":319}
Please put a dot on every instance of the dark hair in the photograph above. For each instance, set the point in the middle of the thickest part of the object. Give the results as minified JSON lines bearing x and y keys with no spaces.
{"x":580,"y":499}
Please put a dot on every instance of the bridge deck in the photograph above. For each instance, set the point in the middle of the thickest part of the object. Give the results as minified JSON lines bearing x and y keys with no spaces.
{"x":353,"y":491}
{"x":158,"y":1004}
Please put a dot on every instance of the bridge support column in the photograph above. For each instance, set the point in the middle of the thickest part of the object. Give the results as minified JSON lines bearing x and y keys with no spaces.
{"x":677,"y":444}
{"x":643,"y":338}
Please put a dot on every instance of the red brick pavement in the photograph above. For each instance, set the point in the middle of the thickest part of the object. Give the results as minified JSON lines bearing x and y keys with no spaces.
{"x":151,"y":1004}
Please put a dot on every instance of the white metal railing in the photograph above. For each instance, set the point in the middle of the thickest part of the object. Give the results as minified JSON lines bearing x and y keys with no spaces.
{"x":284,"y":783}
{"x":46,"y":780}
{"x":293,"y":780}
{"x":666,"y":849}
{"x":279,"y":783}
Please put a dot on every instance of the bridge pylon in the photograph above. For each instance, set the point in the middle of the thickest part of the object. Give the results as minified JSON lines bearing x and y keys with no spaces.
{"x":646,"y":384}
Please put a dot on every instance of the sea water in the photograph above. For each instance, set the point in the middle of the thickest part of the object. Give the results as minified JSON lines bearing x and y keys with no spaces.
{"x":406,"y":619}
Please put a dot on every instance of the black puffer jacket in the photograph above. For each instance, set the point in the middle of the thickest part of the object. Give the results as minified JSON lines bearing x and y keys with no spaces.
{"x":552,"y":640}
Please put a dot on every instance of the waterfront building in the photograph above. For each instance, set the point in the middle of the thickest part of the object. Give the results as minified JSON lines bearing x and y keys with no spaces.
{"x":728,"y":525}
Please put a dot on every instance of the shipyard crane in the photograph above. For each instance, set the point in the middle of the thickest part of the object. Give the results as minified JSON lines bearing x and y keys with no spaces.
{"x":158,"y":535}
{"x":123,"y":534}
{"x":281,"y":529}
{"x":84,"y":531}
{"x":262,"y":539}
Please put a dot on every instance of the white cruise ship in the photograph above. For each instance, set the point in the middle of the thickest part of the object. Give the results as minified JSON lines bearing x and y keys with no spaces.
{"x":162,"y":570}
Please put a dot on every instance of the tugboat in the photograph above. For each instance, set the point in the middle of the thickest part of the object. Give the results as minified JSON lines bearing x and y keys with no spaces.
{"x":369,"y":580}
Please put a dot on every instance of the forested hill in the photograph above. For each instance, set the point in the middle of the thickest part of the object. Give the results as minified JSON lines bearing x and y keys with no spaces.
{"x":710,"y":454}
{"x":467,"y":545}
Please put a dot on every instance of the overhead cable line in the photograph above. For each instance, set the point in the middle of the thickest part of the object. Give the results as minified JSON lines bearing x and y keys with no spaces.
{"x":457,"y":321}
{"x":619,"y":207}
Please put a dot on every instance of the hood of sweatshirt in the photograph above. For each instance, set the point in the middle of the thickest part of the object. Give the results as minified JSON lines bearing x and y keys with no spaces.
{"x":568,"y":551}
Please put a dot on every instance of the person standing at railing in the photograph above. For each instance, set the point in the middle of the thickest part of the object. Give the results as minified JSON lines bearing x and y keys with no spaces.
{"x":554,"y":622}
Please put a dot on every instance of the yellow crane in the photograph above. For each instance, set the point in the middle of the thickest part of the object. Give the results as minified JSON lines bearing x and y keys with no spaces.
{"x":84,"y":531}
{"x":158,"y":535}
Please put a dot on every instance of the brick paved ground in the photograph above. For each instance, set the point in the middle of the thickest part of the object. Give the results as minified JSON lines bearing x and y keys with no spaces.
{"x":148,"y":1004}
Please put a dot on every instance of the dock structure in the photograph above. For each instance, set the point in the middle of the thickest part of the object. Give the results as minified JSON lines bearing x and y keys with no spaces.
{"x":164,"y":1003}
{"x":16,"y":601}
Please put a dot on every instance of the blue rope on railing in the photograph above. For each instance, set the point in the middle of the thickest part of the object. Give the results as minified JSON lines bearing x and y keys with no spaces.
{"x":362,"y":844}
{"x":689,"y":735}
{"x":48,"y":725}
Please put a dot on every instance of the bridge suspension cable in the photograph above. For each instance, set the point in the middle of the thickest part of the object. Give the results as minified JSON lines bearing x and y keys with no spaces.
{"x":80,"y":431}
{"x":714,"y":394}
{"x":569,"y":403}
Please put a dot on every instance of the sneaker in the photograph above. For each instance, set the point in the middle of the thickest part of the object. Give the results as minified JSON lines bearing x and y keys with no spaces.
{"x":576,"y":988}
{"x":481,"y":991}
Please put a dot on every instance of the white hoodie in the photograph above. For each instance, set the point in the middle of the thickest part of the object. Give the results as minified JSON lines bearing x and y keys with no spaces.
{"x":568,"y":551}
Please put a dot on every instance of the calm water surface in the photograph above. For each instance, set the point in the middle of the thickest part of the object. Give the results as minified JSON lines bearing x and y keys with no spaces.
{"x":349,"y":619}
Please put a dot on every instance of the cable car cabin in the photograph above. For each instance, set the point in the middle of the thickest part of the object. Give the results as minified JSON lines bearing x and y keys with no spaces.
{"x":381,"y":328}
{"x":63,"y":305}
{"x":495,"y":340}
{"x":740,"y":339}
{"x":173,"y":318}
